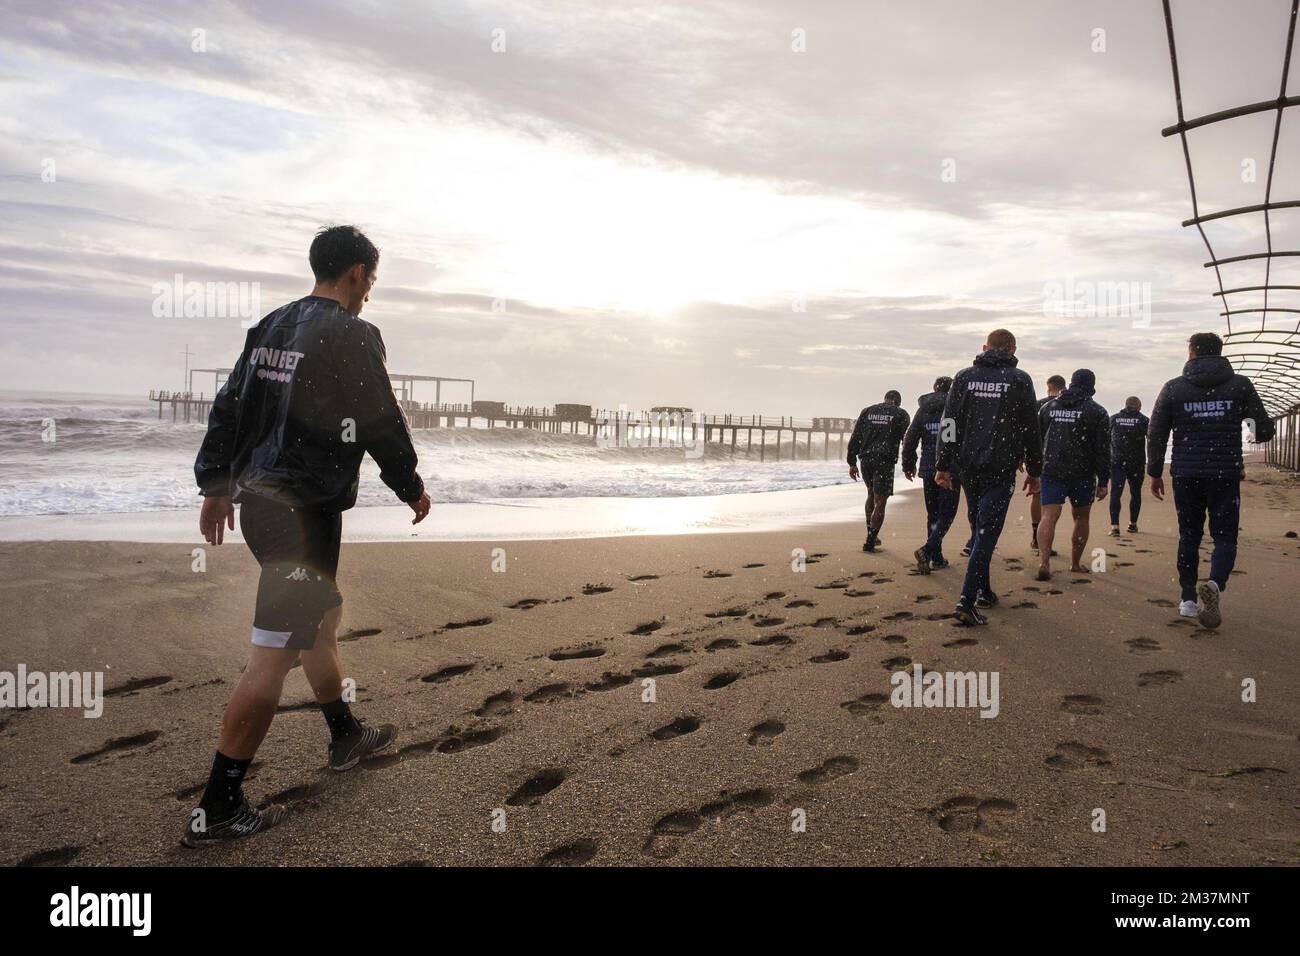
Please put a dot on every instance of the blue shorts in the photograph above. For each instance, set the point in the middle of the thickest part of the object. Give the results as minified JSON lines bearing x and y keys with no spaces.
{"x":1081,"y":491}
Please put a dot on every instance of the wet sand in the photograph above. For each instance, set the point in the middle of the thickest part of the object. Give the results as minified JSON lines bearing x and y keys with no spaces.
{"x":520,"y":696}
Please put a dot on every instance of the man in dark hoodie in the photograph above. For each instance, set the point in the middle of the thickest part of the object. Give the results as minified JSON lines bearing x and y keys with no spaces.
{"x":1205,"y":408}
{"x":1055,"y":386}
{"x":994,"y":427}
{"x":940,"y":503}
{"x":1076,"y":465}
{"x":874,"y":444}
{"x":1128,"y":453}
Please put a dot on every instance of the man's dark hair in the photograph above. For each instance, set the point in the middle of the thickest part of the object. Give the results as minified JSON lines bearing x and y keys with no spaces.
{"x":336,"y":249}
{"x":893,"y":396}
{"x":1001,"y":339}
{"x":1133,"y":402}
{"x":1056,"y":381}
{"x":942,"y":383}
{"x":1205,"y":343}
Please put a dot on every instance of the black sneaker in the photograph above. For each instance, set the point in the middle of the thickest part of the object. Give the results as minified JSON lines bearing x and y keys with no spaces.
{"x":1033,"y":542}
{"x":347,"y":752}
{"x":965,"y":551}
{"x":244,"y":821}
{"x":966,"y":614}
{"x":1114,"y":530}
{"x":939,"y":565}
{"x":872,"y":545}
{"x":1132,"y":528}
{"x":985,"y":598}
{"x":922,"y":561}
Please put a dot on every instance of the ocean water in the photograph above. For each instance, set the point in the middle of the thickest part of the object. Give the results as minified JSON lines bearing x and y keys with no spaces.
{"x":111,"y":454}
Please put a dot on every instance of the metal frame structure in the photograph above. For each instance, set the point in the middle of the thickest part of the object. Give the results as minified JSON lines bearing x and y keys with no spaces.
{"x":1269,"y":353}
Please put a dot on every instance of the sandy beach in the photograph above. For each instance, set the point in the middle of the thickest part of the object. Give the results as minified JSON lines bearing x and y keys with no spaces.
{"x":520,"y":697}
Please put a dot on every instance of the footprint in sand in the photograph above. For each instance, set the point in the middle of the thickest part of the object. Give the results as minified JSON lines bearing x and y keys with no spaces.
{"x":1151,"y":678}
{"x":773,"y":640}
{"x":721,"y":644}
{"x":574,"y":853}
{"x":830,"y":769}
{"x":857,"y":629}
{"x":549,"y":692}
{"x":526,"y":604}
{"x":767,"y":621}
{"x":358,"y":634}
{"x":678,"y":728}
{"x":609,"y":681}
{"x":967,"y":814}
{"x":830,"y":657}
{"x":1081,"y":704}
{"x":476,"y":622}
{"x":667,"y":650}
{"x":649,"y":627}
{"x":961,"y":642}
{"x":748,"y":566}
{"x":833,"y":585}
{"x":1071,"y":755}
{"x":923,"y":598}
{"x":635,"y":578}
{"x":773,"y":595}
{"x":657,"y":670}
{"x":668,"y":831}
{"x":801,"y":603}
{"x":596,"y":589}
{"x":496,"y":705}
{"x":447,"y":673}
{"x":1023,"y":605}
{"x":866,"y":704}
{"x":896,"y":663}
{"x":1161,"y":602}
{"x":827,"y":622}
{"x":717,"y":574}
{"x":729,"y":612}
{"x":894,"y":639}
{"x":857,"y":593}
{"x":59,"y":856}
{"x":1080,"y":581}
{"x":576,"y":653}
{"x":531,"y":791}
{"x":118,"y":744}
{"x":1142,"y":645}
{"x":764,"y":732}
{"x":718,"y":681}
{"x":939,"y":616}
{"x":131,"y":687}
{"x":899,"y":616}
{"x":462,"y":741}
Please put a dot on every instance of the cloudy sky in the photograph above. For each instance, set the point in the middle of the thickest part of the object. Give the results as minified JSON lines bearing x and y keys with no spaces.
{"x":748,"y":206}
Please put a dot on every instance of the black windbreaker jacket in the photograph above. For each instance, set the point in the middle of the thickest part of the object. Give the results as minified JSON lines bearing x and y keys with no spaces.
{"x":308,"y":397}
{"x":1128,"y":439}
{"x":923,"y":431}
{"x":995,"y":413}
{"x":877,"y":433}
{"x":1205,"y":407}
{"x":1076,"y":437}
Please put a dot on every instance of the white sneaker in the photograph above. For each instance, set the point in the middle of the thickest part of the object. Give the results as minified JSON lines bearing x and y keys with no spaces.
{"x":1209,"y":594}
{"x":1189,"y":609}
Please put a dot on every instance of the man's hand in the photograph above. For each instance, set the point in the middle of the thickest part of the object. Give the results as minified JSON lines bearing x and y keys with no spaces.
{"x":909,"y":475}
{"x":853,"y":472}
{"x":420,"y":506}
{"x":943,"y":479}
{"x":1158,"y":488}
{"x":1101,"y":491}
{"x":218,"y":513}
{"x":1031,"y":486}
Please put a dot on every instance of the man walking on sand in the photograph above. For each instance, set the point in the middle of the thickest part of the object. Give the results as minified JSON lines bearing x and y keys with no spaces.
{"x":1076,"y":465}
{"x":1055,"y":386}
{"x":1205,"y":408}
{"x":1128,"y":453}
{"x":940,"y":503}
{"x":990,"y":426}
{"x":308,"y":397}
{"x":874,"y":445}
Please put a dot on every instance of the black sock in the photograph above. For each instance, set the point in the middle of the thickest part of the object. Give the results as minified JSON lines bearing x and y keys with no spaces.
{"x":224,"y":785}
{"x":339,"y":717}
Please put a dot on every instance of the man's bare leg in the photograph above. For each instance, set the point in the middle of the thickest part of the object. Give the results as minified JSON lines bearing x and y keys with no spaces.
{"x":1080,"y":539}
{"x":252,"y":705}
{"x":877,"y":518}
{"x":1035,"y":518}
{"x":321,"y":664}
{"x":1046,"y":532}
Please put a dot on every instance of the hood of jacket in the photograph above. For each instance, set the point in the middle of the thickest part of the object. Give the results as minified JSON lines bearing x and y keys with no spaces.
{"x":1207,"y":371}
{"x":932,"y":402}
{"x":995,"y":358}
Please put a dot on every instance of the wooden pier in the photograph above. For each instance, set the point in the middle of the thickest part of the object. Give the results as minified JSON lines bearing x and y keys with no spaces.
{"x":762,"y":436}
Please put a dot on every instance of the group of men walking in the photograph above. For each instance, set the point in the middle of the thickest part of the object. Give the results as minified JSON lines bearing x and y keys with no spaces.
{"x":977,"y":430}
